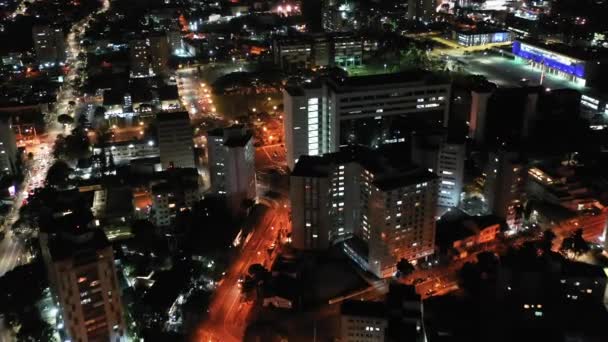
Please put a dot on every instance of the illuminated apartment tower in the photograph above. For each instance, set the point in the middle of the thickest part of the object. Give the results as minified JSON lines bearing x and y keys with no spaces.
{"x":381,"y":207}
{"x":49,"y":45}
{"x":367,"y":110}
{"x":139,"y":58}
{"x":149,"y":56}
{"x":82,"y":276}
{"x":504,"y":187}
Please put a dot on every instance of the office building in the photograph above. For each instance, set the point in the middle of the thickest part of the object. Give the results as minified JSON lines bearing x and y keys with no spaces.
{"x":363,"y":321}
{"x":123,"y":152}
{"x":232,"y":165}
{"x":318,"y":50}
{"x":175,"y":140}
{"x":82,"y":276}
{"x":49,"y":45}
{"x":421,"y":10}
{"x":380,"y":206}
{"x":505,"y":185}
{"x":445,"y":157}
{"x":365,"y":110}
{"x":8,"y":147}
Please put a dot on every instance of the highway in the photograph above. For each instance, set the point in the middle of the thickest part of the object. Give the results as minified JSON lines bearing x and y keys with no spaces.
{"x":227,"y":312}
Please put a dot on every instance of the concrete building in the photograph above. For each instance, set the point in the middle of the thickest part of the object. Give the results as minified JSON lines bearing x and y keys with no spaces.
{"x":365,"y":110}
{"x":421,"y":10}
{"x":363,"y":321}
{"x":123,"y":152}
{"x":82,"y":276}
{"x":49,"y":45}
{"x":8,"y":147}
{"x":175,"y":140}
{"x":445,"y":157}
{"x":174,"y":191}
{"x":379,"y":205}
{"x":232,"y":165}
{"x":505,"y":185}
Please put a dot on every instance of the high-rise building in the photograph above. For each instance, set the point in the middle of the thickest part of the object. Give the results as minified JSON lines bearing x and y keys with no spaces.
{"x":175,"y":140}
{"x":82,"y":276}
{"x":443,"y":156}
{"x":363,"y":321}
{"x":366,"y":110}
{"x":159,"y":53}
{"x":139,"y":58}
{"x":49,"y":45}
{"x":381,"y":206}
{"x":232,"y":164}
{"x":8,"y":147}
{"x":505,"y":184}
{"x":421,"y":10}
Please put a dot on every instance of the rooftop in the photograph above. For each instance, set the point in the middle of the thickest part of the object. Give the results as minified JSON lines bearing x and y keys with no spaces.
{"x":363,"y":309}
{"x":387,"y":164}
{"x":81,"y":245}
{"x":172,"y":116}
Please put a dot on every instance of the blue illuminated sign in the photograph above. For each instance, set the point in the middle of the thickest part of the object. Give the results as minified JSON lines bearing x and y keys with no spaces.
{"x":562,"y":63}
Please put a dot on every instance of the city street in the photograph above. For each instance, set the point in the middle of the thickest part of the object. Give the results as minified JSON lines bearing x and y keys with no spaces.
{"x":12,"y":252}
{"x":227,"y":312}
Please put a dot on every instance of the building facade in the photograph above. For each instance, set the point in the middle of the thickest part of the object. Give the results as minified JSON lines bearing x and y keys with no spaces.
{"x":83,"y":281}
{"x":49,"y":45}
{"x":366,"y":110}
{"x":444,"y":157}
{"x":232,"y":165}
{"x":505,"y":186}
{"x":364,"y":198}
{"x":175,"y":140}
{"x":362,"y":321}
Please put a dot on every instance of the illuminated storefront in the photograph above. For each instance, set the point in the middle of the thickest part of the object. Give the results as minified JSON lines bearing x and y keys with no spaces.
{"x":554,"y":63}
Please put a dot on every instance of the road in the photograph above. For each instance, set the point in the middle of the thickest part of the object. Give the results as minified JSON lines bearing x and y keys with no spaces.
{"x":12,"y":251}
{"x":195,"y":94}
{"x":227,"y":312}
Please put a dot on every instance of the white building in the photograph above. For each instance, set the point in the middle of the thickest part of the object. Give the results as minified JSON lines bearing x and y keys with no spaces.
{"x":366,"y":110}
{"x":380,"y":205}
{"x":232,"y":165}
{"x":175,"y":140}
{"x":444,"y":157}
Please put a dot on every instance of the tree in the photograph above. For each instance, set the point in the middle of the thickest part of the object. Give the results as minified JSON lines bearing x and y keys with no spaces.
{"x":404,"y":268}
{"x":65,"y":119}
{"x":71,"y":103}
{"x":546,"y":241}
{"x":58,"y":173}
{"x":575,"y":244}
